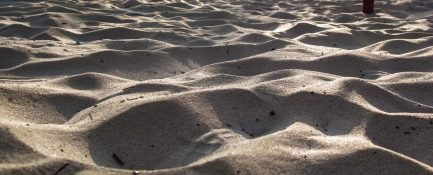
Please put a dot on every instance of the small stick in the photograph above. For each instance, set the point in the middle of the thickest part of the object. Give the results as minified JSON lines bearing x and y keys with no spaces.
{"x":90,"y":115}
{"x":118,"y":160}
{"x":61,"y":168}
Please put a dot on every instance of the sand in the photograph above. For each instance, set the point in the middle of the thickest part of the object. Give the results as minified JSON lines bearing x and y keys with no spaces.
{"x":215,"y":87}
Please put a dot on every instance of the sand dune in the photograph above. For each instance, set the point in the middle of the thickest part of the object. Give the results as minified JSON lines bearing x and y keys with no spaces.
{"x":216,"y":87}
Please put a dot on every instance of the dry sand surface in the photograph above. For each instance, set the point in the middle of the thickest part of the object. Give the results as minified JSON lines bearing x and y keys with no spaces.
{"x":215,"y":87}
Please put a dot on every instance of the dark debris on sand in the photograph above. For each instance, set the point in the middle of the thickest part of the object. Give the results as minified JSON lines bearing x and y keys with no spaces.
{"x":272,"y":113}
{"x":118,"y":160}
{"x":61,"y":168}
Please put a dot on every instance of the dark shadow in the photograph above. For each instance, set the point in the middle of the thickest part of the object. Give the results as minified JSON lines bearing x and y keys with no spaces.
{"x":409,"y":135}
{"x":156,"y":135}
{"x":368,"y":162}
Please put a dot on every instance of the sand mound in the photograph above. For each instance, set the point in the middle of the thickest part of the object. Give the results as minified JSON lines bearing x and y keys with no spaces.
{"x":215,"y":87}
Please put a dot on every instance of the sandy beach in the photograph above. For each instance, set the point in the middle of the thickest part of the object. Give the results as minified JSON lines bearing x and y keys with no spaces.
{"x":216,"y":87}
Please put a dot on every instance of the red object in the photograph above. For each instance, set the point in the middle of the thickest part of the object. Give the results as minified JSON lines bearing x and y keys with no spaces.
{"x":368,"y":6}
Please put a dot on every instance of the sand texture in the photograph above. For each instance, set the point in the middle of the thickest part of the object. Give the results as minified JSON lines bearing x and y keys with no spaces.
{"x":215,"y":87}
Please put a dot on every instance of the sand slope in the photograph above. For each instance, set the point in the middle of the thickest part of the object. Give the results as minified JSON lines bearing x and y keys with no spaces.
{"x":215,"y":87}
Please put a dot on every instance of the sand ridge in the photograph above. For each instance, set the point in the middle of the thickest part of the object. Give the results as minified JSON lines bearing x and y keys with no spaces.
{"x":215,"y":87}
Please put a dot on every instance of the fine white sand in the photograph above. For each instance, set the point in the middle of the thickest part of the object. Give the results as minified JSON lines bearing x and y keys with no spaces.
{"x":216,"y":87}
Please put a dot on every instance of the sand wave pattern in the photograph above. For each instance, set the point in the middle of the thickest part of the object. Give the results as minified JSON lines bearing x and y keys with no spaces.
{"x":215,"y":87}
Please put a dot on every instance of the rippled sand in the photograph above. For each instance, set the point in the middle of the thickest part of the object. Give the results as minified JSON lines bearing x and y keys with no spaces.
{"x":216,"y":87}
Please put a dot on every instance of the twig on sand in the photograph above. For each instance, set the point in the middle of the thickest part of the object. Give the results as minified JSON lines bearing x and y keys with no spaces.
{"x":90,"y":115}
{"x":118,"y":160}
{"x":130,"y":99}
{"x":61,"y":168}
